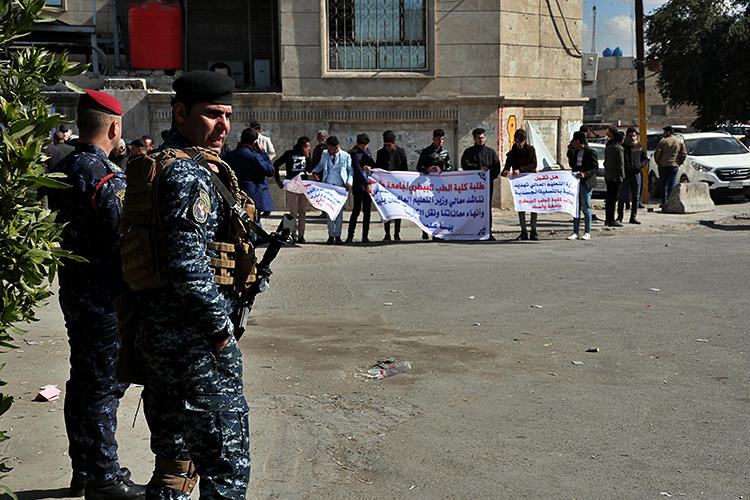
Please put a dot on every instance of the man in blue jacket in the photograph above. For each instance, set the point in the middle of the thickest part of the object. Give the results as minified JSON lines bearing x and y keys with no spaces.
{"x":253,"y":166}
{"x":91,"y":210}
{"x":362,"y":162}
{"x":335,"y":167}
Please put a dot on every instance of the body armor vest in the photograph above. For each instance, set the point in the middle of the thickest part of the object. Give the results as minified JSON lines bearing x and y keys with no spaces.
{"x":144,"y":258}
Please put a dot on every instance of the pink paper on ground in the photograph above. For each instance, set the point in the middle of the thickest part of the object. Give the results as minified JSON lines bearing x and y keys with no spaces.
{"x":48,"y":393}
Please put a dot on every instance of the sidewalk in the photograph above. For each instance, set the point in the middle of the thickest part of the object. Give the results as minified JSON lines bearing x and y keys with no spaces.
{"x":550,"y":226}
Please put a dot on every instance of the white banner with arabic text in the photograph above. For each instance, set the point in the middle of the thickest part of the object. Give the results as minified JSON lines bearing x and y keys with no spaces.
{"x":546,"y":192}
{"x":451,"y":205}
{"x":326,"y":197}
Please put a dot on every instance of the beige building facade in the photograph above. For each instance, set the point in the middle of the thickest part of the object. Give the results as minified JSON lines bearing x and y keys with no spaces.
{"x":354,"y":66}
{"x":614,"y":98}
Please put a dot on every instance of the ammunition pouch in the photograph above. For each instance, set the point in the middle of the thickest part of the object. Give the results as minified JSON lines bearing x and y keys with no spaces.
{"x":165,"y":474}
{"x":235,"y":265}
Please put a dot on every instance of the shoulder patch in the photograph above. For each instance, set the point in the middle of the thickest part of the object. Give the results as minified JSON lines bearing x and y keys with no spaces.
{"x":121,"y":196}
{"x":201,"y":207}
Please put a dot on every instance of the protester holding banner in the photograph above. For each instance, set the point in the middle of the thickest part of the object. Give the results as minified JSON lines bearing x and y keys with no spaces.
{"x":335,"y":168}
{"x":296,"y":161}
{"x":522,"y":159}
{"x":391,"y":157}
{"x":585,"y":164}
{"x":434,"y":159}
{"x":481,"y":157}
{"x":362,"y":162}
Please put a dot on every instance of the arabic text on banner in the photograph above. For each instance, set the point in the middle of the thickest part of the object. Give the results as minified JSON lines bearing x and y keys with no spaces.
{"x":326,"y":197}
{"x":546,"y":192}
{"x":451,"y":205}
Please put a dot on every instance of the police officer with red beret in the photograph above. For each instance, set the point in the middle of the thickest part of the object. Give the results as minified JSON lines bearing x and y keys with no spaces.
{"x":91,"y":209}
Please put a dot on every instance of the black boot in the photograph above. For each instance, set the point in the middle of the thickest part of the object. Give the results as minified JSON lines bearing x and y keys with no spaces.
{"x":78,"y":481}
{"x":119,"y":488}
{"x":77,"y":484}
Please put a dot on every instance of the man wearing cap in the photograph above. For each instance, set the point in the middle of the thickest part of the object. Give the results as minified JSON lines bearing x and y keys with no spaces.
{"x":669,"y":155}
{"x":91,"y":209}
{"x":184,"y":340}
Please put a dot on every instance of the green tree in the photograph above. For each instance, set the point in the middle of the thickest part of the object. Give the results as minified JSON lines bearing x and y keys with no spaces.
{"x":702,"y":47}
{"x":29,"y":235}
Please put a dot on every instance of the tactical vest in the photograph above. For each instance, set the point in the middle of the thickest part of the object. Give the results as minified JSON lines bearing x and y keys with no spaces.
{"x":143,"y":248}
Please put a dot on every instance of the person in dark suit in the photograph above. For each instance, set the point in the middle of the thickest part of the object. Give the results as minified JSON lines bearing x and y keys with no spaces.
{"x":391,"y":157}
{"x":253,"y":166}
{"x":584,"y":163}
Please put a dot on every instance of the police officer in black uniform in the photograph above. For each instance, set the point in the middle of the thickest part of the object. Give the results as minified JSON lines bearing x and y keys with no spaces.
{"x":91,"y":209}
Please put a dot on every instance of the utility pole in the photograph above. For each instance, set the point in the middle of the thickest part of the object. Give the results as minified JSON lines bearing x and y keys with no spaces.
{"x":593,"y":32}
{"x":640,"y":68}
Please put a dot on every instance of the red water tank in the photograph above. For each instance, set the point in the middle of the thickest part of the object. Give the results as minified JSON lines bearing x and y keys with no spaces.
{"x":155,"y":35}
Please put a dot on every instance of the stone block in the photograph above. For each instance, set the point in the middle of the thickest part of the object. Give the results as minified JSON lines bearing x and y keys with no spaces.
{"x":689,"y":198}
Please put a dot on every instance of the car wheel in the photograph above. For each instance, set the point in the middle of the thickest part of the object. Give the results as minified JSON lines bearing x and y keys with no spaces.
{"x":684,"y":179}
{"x":654,"y":193}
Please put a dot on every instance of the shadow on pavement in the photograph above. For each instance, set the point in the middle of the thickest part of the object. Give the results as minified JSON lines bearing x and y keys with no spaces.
{"x":40,"y":494}
{"x":725,"y":227}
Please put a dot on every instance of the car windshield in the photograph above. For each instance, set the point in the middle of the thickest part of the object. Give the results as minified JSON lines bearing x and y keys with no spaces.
{"x":713,"y":146}
{"x":652,"y":140}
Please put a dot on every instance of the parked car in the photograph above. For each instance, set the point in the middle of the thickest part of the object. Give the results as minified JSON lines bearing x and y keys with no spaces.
{"x":736,"y":129}
{"x":716,"y":158}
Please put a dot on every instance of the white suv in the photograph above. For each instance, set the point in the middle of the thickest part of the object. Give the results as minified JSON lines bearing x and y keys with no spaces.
{"x":715,"y":158}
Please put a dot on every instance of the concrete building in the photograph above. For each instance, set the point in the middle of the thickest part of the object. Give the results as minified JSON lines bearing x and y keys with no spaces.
{"x":353,"y":66}
{"x":613,"y":99}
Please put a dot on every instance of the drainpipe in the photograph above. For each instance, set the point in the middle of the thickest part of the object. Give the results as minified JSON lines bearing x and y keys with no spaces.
{"x":94,"y":54}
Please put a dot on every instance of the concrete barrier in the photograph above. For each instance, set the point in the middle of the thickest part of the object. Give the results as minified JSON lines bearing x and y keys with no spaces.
{"x":689,"y":198}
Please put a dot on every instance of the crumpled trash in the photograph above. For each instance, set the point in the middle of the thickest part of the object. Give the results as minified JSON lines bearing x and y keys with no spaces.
{"x":31,"y":342}
{"x":387,"y":367}
{"x":48,"y":393}
{"x":476,"y":324}
{"x":577,"y":363}
{"x":592,"y":349}
{"x":536,"y":306}
{"x":654,"y":289}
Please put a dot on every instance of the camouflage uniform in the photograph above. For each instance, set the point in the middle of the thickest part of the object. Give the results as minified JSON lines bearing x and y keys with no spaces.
{"x":91,"y":208}
{"x":193,"y":399}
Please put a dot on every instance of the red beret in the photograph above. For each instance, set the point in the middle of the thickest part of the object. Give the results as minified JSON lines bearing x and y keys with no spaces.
{"x":99,"y":101}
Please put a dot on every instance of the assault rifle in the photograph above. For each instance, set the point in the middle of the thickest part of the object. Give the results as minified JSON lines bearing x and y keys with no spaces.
{"x":277,"y":239}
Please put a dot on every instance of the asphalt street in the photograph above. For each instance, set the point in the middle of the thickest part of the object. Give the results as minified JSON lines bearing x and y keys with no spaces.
{"x":503,"y":401}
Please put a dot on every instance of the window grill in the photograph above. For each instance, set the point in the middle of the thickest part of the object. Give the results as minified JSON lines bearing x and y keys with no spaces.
{"x":377,"y":35}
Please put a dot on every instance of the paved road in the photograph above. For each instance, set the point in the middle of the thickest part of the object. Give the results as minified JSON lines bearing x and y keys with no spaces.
{"x":494,"y":406}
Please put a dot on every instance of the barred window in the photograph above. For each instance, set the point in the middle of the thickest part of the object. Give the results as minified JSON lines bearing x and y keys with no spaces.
{"x":377,"y":35}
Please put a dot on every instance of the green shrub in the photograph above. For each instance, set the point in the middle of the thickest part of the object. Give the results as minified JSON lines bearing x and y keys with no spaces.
{"x":29,"y":235}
